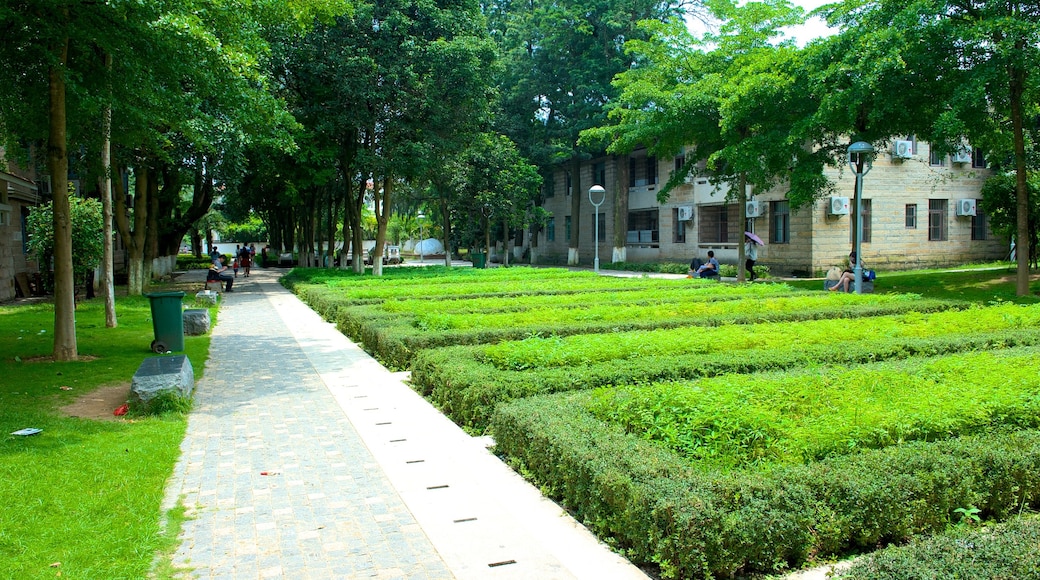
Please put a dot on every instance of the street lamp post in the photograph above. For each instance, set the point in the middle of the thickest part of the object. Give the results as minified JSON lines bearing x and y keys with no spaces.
{"x":861,"y":159}
{"x":602,"y":193}
{"x":422,"y":230}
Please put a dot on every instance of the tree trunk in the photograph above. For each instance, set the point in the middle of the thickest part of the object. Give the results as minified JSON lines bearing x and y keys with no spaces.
{"x":382,"y":207}
{"x":107,"y":277}
{"x":1017,"y":85}
{"x":58,"y":166}
{"x":505,"y":240}
{"x":742,"y":212}
{"x":134,"y":240}
{"x":621,"y":168}
{"x":573,"y":245}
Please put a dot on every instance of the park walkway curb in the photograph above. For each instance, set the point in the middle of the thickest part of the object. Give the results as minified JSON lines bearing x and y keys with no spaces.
{"x":305,"y":458}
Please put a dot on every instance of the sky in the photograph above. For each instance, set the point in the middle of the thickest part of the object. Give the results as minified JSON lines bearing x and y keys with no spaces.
{"x":814,"y":28}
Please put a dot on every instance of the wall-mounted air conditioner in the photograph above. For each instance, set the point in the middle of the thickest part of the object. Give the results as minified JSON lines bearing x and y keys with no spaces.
{"x":961,"y":156}
{"x":685,"y":213}
{"x":902,"y":150}
{"x":753,"y":209}
{"x":966,"y":207}
{"x":838,"y":206}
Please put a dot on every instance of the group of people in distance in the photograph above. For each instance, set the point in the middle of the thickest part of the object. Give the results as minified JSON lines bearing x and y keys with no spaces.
{"x":218,"y":271}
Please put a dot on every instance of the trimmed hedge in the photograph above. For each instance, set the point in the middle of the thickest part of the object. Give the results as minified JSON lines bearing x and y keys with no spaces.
{"x":467,"y":389}
{"x":1010,"y":551}
{"x":658,"y":510}
{"x":395,"y":339}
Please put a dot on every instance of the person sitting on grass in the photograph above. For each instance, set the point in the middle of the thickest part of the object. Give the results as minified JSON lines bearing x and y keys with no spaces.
{"x":709,"y":269}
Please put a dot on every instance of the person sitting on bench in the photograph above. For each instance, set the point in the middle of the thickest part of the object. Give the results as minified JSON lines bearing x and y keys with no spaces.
{"x":218,"y":272}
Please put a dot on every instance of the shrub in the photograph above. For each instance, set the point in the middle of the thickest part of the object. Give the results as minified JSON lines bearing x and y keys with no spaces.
{"x":694,"y":524}
{"x":1009,"y":550}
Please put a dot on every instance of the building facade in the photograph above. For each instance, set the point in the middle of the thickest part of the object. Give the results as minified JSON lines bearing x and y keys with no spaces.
{"x":919,"y":210}
{"x":17,"y":194}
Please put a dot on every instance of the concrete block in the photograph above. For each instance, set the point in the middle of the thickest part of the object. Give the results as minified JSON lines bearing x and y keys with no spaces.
{"x":196,"y":321}
{"x":207,"y":297}
{"x":161,"y":374}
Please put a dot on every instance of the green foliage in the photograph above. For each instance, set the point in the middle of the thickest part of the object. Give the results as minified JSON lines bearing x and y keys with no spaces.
{"x":87,"y":236}
{"x":1009,"y":550}
{"x":697,"y":524}
{"x":998,"y":202}
{"x":252,"y":230}
{"x":806,"y":415}
{"x":190,"y":262}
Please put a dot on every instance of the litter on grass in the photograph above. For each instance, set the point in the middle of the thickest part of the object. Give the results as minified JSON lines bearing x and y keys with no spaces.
{"x":26,"y":431}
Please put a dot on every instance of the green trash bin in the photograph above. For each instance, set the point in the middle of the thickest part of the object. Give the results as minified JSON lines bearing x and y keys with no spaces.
{"x":479,"y":259}
{"x":167,"y":321}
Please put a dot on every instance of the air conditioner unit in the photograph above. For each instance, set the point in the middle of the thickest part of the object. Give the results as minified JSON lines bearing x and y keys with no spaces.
{"x":966,"y":207}
{"x":753,"y":209}
{"x":839,"y":206}
{"x":685,"y":213}
{"x":902,"y":150}
{"x":961,"y":156}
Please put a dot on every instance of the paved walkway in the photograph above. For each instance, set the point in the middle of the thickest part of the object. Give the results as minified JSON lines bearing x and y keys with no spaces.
{"x":304,"y":458}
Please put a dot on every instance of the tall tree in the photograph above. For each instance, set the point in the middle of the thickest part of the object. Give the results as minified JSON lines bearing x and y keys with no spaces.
{"x":947,"y":70}
{"x":560,"y":58}
{"x":733,"y":98}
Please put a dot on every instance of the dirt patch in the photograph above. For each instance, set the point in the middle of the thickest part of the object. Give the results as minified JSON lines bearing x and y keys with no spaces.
{"x":99,"y":403}
{"x":50,"y":358}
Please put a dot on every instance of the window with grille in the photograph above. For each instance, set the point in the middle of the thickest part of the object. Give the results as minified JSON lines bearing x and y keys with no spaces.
{"x":679,"y":226}
{"x":780,"y":222}
{"x":937,"y":218}
{"x":911,"y":216}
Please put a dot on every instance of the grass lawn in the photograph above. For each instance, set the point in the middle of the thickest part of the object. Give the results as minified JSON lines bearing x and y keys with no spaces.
{"x":980,"y":283}
{"x":82,"y":499}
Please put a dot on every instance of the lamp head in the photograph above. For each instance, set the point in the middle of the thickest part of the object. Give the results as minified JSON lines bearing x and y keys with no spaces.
{"x":861,"y":156}
{"x":598,"y":191}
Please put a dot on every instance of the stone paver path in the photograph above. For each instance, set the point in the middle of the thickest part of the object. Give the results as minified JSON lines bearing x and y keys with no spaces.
{"x":304,"y":458}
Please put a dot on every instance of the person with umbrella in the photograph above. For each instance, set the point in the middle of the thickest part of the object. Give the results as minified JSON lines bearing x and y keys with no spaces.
{"x":751,"y":243}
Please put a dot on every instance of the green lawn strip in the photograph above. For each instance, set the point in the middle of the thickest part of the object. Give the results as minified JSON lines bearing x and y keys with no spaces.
{"x":1007,"y":550}
{"x":350,"y":291}
{"x":542,"y":352}
{"x":467,"y":389}
{"x":396,"y":339}
{"x":661,"y":292}
{"x":648,"y":502}
{"x":799,"y":416}
{"x":84,"y":493}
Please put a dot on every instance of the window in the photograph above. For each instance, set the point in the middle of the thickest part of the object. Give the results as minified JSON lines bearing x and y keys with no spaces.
{"x":631,"y":171}
{"x":550,"y":230}
{"x":937,"y":231}
{"x":979,"y":223}
{"x":679,"y":226}
{"x":680,"y":160}
{"x":911,"y":216}
{"x":568,"y":184}
{"x":599,"y":173}
{"x":780,"y":222}
{"x":643,"y":227}
{"x":549,"y":188}
{"x":978,"y":158}
{"x":714,"y":224}
{"x":602,"y":220}
{"x":865,"y":208}
{"x":935,"y":159}
{"x":651,"y":170}
{"x":567,"y":228}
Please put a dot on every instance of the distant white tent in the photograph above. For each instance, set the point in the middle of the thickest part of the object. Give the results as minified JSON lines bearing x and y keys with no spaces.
{"x":429,"y":247}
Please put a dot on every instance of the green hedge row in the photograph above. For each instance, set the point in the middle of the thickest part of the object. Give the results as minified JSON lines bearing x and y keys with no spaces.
{"x":737,"y":421}
{"x":396,"y":339}
{"x":657,"y":509}
{"x":467,"y":389}
{"x":1008,"y":551}
{"x":539,"y":352}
